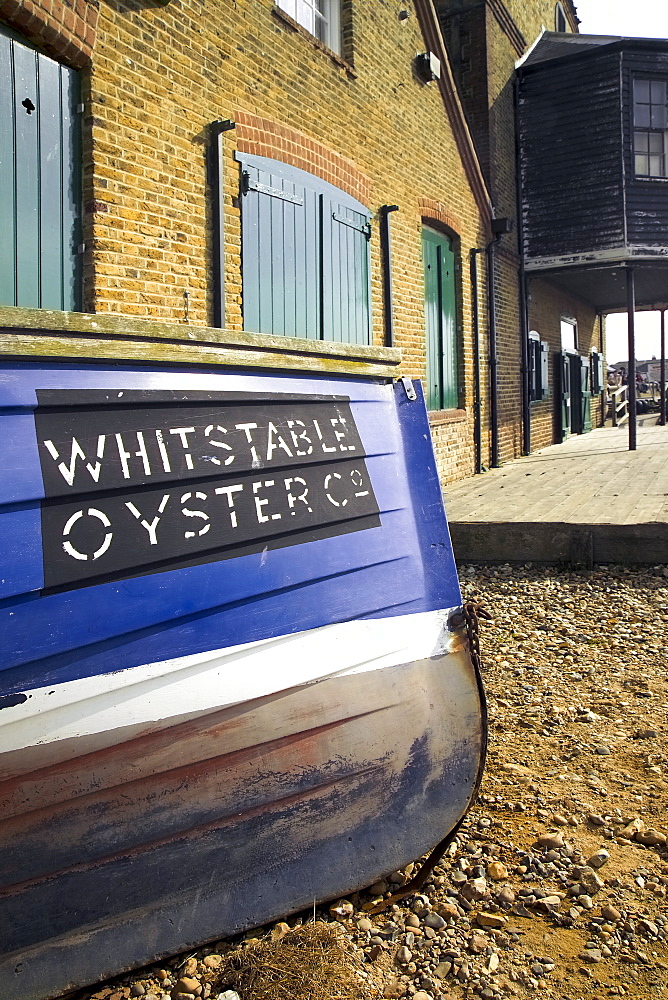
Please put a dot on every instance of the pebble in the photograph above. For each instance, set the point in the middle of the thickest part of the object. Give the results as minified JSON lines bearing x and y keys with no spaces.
{"x":650,"y":837}
{"x":495,"y":920}
{"x":213,"y":961}
{"x":496,"y":871}
{"x":278,"y":932}
{"x":549,"y":841}
{"x":591,"y":955}
{"x":187,"y":985}
{"x":610,"y":913}
{"x":598,"y":859}
{"x":342,"y":910}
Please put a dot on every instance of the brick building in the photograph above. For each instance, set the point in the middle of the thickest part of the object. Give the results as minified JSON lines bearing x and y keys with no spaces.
{"x":222,"y":165}
{"x":485,"y":41}
{"x":234,"y":167}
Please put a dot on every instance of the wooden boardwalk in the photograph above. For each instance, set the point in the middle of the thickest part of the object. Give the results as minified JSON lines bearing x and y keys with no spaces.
{"x":588,"y":500}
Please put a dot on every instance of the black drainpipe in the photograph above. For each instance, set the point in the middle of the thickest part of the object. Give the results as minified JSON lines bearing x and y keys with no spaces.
{"x":215,"y":165}
{"x":477,"y":402}
{"x":386,"y":250}
{"x":523,"y":288}
{"x":493,"y":356}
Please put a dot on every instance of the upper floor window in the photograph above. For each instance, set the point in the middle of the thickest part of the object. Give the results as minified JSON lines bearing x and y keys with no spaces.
{"x":560,"y":22}
{"x":320,"y":17}
{"x":650,"y":128}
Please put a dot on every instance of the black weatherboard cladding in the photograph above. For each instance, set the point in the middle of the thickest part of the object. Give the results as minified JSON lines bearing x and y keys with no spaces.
{"x":647,"y":200}
{"x":571,"y":154}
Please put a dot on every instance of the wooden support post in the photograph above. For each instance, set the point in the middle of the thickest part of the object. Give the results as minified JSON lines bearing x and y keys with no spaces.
{"x":662,"y":397}
{"x":631,"y":370}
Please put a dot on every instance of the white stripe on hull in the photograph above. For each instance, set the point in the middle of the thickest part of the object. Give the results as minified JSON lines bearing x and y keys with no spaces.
{"x":66,"y":720}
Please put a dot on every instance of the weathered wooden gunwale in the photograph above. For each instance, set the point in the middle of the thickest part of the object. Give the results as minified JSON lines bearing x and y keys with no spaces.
{"x":45,"y":333}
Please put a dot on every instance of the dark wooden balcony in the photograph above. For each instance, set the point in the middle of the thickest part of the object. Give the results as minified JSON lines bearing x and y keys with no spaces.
{"x":592,"y":120}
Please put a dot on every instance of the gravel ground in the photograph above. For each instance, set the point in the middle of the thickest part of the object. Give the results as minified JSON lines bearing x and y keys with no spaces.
{"x":558,"y":880}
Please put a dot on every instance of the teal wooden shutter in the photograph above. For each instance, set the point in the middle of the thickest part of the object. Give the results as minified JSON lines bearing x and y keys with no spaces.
{"x":432,"y":323}
{"x":563,"y":367}
{"x":345,"y":273}
{"x":585,"y":396}
{"x":440,"y":321}
{"x":544,"y":369}
{"x":39,"y":179}
{"x":305,"y":255}
{"x":280,"y":249}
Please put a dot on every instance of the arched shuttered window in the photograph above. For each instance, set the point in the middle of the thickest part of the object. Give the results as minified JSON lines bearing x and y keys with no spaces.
{"x":39,"y":178}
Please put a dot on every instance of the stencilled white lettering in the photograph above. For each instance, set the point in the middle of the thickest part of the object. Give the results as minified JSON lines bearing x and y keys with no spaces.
{"x":195,"y":513}
{"x":229,"y":492}
{"x":75,"y":553}
{"x":151,"y":526}
{"x":275,"y":440}
{"x":208,"y":431}
{"x":322,"y":440}
{"x":295,"y":498}
{"x":263,"y":502}
{"x":142,"y":453}
{"x":183,"y":433}
{"x":299,"y":437}
{"x":247,"y":428}
{"x":328,"y":483}
{"x":124,"y":455}
{"x":341,"y":435}
{"x":68,"y":472}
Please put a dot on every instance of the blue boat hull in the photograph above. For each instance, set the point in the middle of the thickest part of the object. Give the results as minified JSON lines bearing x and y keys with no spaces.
{"x":201,"y":731}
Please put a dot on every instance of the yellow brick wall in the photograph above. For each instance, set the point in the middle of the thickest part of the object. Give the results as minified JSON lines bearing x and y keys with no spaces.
{"x":547,"y":306}
{"x":159,"y":76}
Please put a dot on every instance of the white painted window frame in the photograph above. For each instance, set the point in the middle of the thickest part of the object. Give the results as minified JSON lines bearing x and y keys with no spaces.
{"x":569,"y":334}
{"x":322,"y":18}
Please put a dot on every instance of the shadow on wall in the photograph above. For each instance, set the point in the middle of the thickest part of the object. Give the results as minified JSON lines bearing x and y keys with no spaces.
{"x":130,"y":6}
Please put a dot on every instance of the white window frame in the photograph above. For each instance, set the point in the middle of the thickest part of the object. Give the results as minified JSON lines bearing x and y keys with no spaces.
{"x":560,"y":18}
{"x":321,"y":18}
{"x":569,"y":334}
{"x":650,"y":131}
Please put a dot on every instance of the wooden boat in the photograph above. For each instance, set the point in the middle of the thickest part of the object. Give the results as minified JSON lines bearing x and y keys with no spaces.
{"x":230,"y":681}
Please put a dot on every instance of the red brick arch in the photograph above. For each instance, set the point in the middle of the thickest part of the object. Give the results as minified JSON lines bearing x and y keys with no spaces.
{"x":63,"y":28}
{"x":262,"y":137}
{"x":438,"y":212}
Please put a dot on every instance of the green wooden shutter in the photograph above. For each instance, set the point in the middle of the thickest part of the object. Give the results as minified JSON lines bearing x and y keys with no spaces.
{"x":345,"y":273}
{"x":305,"y":255}
{"x":440,"y":321}
{"x":585,"y":396}
{"x":280,"y":249}
{"x":39,"y":179}
{"x":563,"y":369}
{"x":544,"y":369}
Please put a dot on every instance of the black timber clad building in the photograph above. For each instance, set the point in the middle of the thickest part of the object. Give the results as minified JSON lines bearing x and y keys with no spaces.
{"x":593,"y":154}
